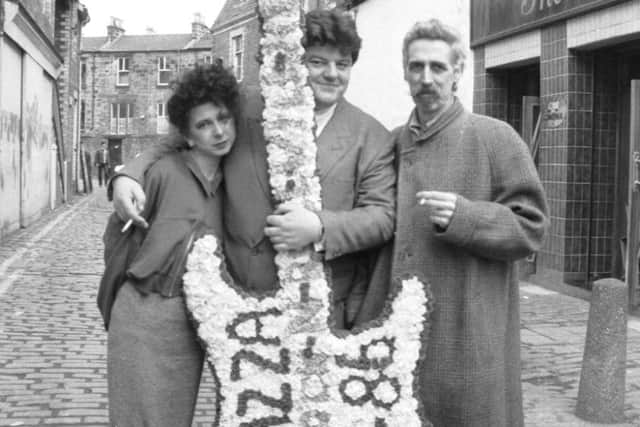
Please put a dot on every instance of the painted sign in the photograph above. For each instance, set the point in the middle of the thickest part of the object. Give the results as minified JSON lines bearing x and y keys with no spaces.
{"x":497,"y":18}
{"x":555,"y":113}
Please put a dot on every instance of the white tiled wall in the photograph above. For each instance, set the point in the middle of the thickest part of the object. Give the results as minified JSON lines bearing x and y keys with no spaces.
{"x":514,"y":49}
{"x":616,"y":21}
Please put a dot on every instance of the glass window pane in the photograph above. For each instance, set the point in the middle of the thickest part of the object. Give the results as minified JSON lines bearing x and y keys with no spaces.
{"x":123,"y":78}
{"x":164,"y":77}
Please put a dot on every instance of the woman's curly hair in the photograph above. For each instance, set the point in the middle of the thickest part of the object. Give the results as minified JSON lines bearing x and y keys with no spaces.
{"x":333,"y":28}
{"x":200,"y":85}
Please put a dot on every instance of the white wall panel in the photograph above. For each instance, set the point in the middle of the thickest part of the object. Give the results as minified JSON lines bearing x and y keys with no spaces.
{"x":10,"y":107}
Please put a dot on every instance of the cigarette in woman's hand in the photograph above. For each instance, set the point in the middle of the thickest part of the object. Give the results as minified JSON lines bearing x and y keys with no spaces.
{"x":126,"y":226}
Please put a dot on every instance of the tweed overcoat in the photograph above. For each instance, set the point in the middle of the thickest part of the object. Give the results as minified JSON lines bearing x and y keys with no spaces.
{"x":355,"y":166}
{"x":471,"y":372}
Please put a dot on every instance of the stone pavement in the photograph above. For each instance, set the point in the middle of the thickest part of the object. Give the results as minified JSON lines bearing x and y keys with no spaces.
{"x":553,"y":330}
{"x":52,"y":344}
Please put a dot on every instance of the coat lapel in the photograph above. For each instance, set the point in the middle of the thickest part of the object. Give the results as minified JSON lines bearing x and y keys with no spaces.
{"x":259,"y":157}
{"x":334,"y":140}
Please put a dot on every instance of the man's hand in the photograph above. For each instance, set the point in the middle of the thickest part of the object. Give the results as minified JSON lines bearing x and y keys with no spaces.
{"x":440,"y":206}
{"x":292,"y":227}
{"x":129,"y":200}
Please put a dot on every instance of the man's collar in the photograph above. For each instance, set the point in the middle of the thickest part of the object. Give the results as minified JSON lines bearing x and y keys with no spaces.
{"x":323,"y":118}
{"x":423,"y":130}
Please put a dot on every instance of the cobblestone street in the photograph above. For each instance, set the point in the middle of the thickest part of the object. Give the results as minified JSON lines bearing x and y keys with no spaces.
{"x":52,"y":343}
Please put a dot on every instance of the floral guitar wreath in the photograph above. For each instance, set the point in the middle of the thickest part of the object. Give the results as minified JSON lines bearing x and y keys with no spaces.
{"x":275,"y":358}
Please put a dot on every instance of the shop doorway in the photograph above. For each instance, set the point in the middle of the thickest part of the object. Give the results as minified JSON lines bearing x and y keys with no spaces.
{"x":628,"y":193}
{"x":523,"y":95}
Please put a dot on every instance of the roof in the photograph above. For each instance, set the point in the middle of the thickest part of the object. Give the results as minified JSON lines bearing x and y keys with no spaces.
{"x":353,"y":3}
{"x":146,"y":42}
{"x":93,"y":43}
{"x":235,"y":10}
{"x":204,"y":42}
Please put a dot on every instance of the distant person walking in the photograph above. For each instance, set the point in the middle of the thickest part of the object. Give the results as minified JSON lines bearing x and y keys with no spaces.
{"x":87,"y":162}
{"x":102,"y":163}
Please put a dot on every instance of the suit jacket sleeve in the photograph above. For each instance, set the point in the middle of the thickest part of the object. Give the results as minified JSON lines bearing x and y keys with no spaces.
{"x":513,"y":224}
{"x":137,"y":167}
{"x":371,"y":221}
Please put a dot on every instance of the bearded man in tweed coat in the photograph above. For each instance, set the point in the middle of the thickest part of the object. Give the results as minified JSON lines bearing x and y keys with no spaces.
{"x":470,"y":203}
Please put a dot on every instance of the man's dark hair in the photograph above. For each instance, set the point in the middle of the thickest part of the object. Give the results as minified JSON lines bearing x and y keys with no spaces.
{"x":333,"y":28}
{"x":200,"y":85}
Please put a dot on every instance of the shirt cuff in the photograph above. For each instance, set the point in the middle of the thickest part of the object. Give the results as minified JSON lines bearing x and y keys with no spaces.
{"x":319,"y":245}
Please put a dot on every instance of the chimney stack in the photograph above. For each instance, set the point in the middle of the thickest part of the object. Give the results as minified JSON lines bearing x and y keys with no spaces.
{"x":114,"y":29}
{"x":198,"y":27}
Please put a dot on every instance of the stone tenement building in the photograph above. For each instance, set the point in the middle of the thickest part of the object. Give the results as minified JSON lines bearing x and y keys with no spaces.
{"x":125,"y":84}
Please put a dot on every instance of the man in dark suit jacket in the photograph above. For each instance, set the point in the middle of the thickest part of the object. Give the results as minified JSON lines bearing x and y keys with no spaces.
{"x":102,"y":163}
{"x":355,"y":167}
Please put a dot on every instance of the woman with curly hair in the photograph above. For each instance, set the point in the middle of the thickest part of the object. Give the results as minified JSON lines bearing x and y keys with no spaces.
{"x":154,"y":360}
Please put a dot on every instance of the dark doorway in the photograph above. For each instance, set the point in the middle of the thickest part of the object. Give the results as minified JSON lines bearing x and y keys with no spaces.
{"x":629,"y":71}
{"x":115,"y":152}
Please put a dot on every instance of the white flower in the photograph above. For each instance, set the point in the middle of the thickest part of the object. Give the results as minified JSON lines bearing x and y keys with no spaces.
{"x":385,"y":392}
{"x":355,"y":389}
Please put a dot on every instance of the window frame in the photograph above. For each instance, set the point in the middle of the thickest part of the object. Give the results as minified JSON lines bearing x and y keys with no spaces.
{"x":123,"y":123}
{"x":163,"y":67}
{"x":83,"y":113}
{"x":83,"y":75}
{"x":237,"y":55}
{"x":162,"y":119}
{"x":123,"y":64}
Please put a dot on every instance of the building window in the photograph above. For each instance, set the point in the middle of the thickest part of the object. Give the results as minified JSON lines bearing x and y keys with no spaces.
{"x":122,"y":78}
{"x":162,"y":125}
{"x":208,"y":59}
{"x":83,"y":75}
{"x":164,"y":73}
{"x":82,"y":114}
{"x":121,"y":118}
{"x":309,"y":5}
{"x":237,"y":54}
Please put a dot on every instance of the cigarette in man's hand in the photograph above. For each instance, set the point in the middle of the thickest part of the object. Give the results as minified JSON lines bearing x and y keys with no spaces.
{"x":126,"y":226}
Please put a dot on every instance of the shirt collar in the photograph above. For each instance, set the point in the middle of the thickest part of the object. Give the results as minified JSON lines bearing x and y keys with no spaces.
{"x":323,"y":118}
{"x":417,"y":127}
{"x":421,"y":131}
{"x":209,"y":186}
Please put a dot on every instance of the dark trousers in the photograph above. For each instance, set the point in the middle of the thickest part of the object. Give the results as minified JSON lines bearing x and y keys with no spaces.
{"x":103,"y":173}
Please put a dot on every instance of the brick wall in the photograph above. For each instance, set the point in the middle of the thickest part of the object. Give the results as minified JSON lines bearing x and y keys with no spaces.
{"x":66,"y":41}
{"x":42,"y":12}
{"x":251,"y":67}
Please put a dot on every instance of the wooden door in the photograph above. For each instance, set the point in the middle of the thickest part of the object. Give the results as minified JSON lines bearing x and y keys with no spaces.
{"x":633,"y":223}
